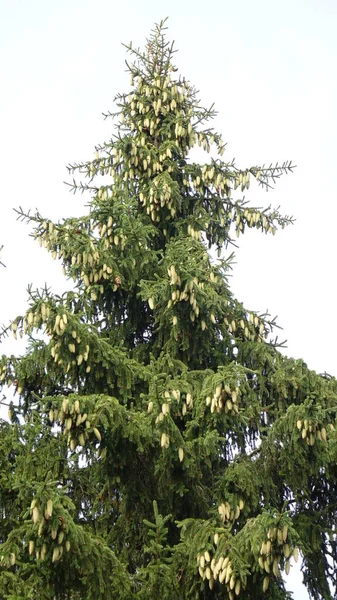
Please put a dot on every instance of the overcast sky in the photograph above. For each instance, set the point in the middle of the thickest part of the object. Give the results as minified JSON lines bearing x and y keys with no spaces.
{"x":270,"y":67}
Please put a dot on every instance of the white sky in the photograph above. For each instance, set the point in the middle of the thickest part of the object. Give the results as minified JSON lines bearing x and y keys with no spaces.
{"x":270,"y":68}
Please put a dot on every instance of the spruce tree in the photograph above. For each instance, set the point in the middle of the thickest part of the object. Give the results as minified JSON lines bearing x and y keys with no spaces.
{"x":159,"y":444}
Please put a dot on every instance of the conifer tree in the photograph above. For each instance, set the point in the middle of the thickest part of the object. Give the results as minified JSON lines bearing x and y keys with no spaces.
{"x":159,"y":444}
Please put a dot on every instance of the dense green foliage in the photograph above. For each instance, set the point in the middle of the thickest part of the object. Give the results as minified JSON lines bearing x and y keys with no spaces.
{"x":160,"y":445}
